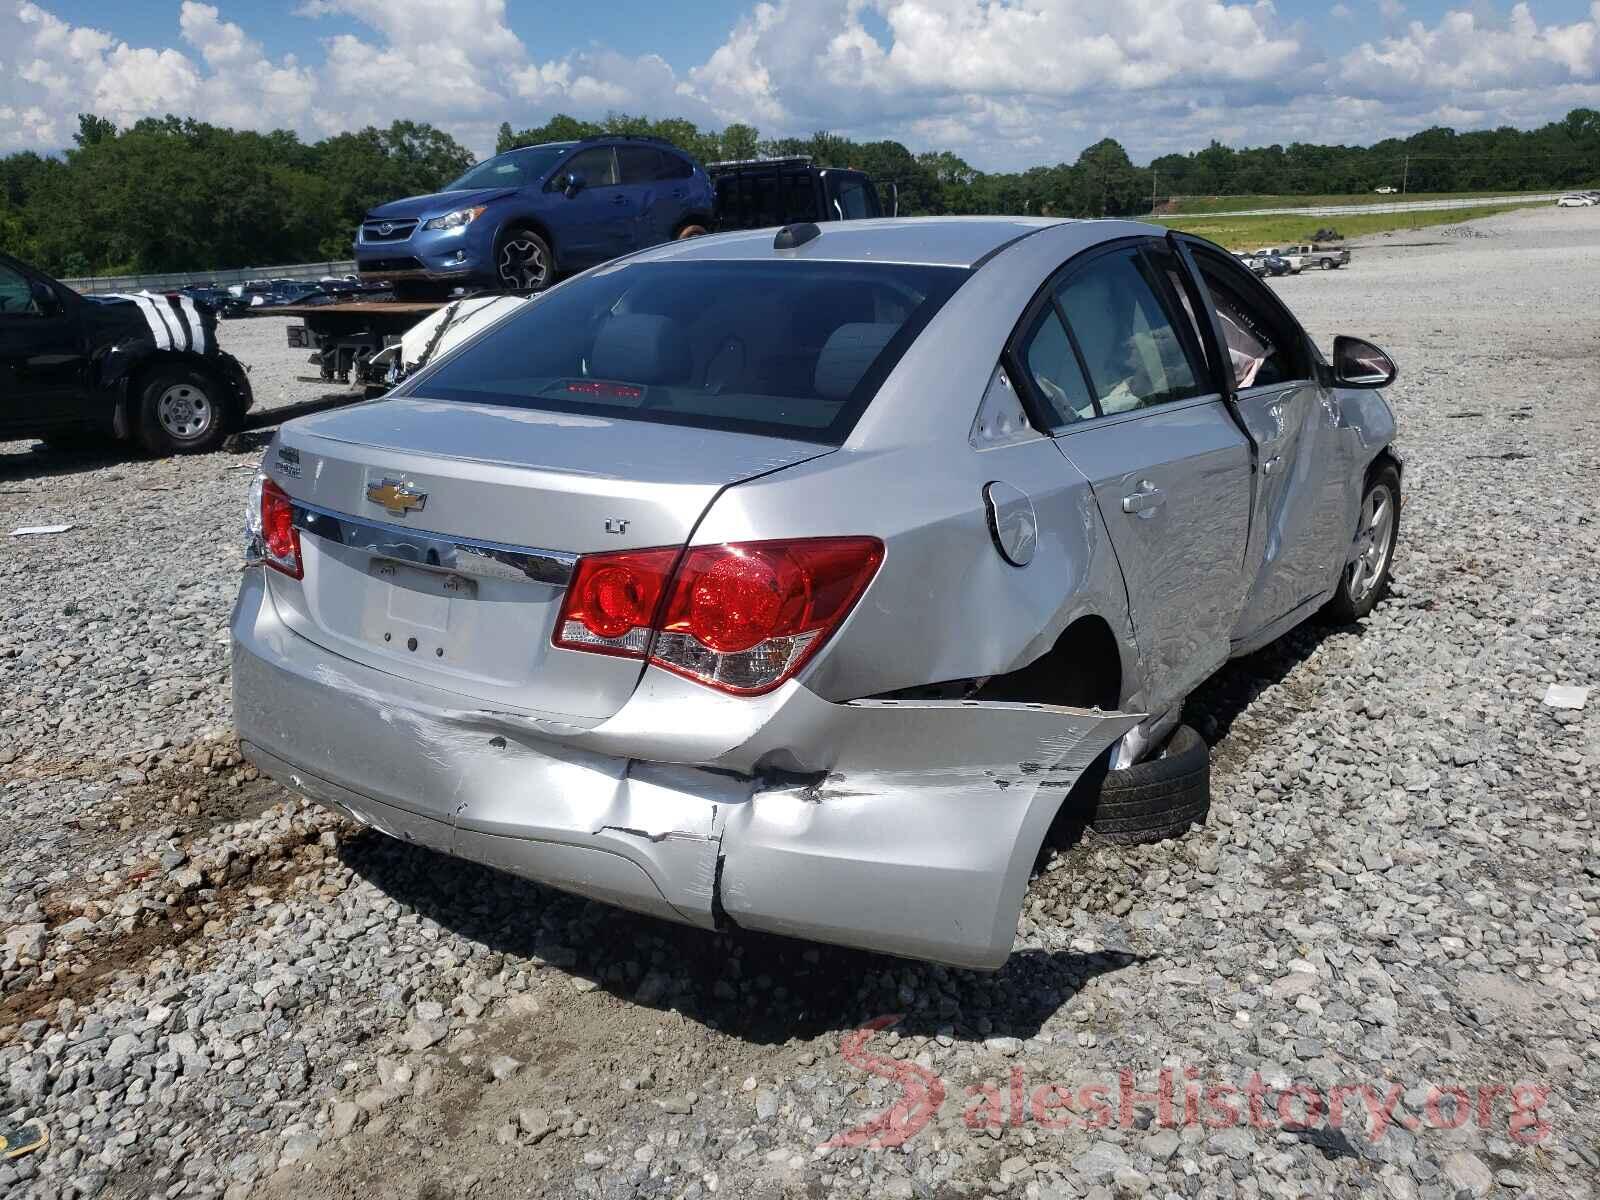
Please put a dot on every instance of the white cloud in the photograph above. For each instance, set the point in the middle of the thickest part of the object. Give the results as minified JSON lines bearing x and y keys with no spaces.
{"x":1006,"y":83}
{"x":1463,"y":56}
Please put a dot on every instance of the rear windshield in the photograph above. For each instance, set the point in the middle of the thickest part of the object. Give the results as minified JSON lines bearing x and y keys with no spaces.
{"x":756,"y":199}
{"x":790,"y":349}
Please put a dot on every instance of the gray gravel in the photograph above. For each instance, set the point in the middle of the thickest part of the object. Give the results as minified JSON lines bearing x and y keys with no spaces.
{"x":212,"y":989}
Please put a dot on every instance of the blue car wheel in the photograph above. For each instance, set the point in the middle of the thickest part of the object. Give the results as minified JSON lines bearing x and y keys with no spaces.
{"x":523,"y":261}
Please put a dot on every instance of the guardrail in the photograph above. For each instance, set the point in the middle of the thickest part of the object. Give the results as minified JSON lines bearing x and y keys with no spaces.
{"x":1394,"y":206}
{"x":92,"y":284}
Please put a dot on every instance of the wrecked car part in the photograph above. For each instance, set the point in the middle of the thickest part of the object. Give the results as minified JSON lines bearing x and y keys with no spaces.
{"x":915,"y":834}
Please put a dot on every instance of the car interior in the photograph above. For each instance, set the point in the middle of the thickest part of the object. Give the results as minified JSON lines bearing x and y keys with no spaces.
{"x":774,"y":347}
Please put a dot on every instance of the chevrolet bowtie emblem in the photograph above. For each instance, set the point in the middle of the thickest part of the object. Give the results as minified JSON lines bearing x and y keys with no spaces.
{"x":397,"y":497}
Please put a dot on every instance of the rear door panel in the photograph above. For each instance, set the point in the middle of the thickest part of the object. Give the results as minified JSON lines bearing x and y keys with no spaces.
{"x":1181,"y":555}
{"x":1136,"y":414}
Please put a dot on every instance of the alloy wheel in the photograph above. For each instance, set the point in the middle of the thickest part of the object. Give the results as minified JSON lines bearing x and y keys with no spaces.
{"x":523,"y":266}
{"x":1373,"y":542}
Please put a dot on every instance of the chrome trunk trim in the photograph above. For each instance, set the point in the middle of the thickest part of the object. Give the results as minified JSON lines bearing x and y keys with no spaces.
{"x":437,"y":552}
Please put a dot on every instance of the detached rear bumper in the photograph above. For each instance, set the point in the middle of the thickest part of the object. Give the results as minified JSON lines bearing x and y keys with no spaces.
{"x":904,"y":827}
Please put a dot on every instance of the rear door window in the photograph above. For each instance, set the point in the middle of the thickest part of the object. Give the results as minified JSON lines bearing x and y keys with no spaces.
{"x":1130,"y":343}
{"x":790,"y":349}
{"x":1052,"y":365}
{"x":639,"y":164}
{"x":674,"y":166}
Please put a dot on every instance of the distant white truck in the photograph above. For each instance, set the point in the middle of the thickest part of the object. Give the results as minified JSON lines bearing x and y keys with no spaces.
{"x":1329,"y":258}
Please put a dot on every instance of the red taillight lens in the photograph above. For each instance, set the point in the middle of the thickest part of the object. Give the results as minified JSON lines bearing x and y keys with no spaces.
{"x":742,"y":617}
{"x":280,"y":540}
{"x":611,"y":601}
{"x":737,"y":601}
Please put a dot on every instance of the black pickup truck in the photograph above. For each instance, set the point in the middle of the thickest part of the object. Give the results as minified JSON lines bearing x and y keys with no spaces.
{"x":142,"y":367}
{"x":761,"y":192}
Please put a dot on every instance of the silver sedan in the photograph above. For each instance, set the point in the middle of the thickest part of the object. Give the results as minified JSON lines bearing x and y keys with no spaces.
{"x":789,"y":580}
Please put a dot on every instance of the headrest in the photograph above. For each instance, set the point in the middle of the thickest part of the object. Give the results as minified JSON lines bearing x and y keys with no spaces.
{"x":846,"y":355}
{"x":641,"y":348}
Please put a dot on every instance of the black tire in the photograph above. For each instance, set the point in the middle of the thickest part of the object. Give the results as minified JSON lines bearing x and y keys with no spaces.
{"x":1327,"y":264}
{"x":1359,"y":592}
{"x":182,"y":410}
{"x":523,"y":261}
{"x":1159,"y":798}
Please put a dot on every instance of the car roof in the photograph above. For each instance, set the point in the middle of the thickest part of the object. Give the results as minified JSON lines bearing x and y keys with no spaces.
{"x":927,"y":241}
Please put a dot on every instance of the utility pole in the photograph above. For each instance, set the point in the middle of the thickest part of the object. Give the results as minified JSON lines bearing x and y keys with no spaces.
{"x":1405,"y":177}
{"x":1154,"y":175}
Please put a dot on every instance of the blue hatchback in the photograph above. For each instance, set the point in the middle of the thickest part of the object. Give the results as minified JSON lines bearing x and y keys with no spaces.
{"x":517,"y":220}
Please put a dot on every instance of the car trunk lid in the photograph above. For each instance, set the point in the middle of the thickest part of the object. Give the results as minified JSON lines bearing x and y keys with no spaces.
{"x":437,"y":536}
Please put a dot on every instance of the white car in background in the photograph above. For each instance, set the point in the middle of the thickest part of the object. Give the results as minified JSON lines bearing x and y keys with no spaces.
{"x":1576,"y":200}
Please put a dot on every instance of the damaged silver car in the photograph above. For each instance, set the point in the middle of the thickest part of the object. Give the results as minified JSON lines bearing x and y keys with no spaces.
{"x":789,"y":582}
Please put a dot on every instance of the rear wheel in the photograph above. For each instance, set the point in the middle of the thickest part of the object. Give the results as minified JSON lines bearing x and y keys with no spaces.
{"x":1327,"y":264}
{"x":1159,"y":798}
{"x":523,"y":262}
{"x":1366,"y":575}
{"x":181,"y":411}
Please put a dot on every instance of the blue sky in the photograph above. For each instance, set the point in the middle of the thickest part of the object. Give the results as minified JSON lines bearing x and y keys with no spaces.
{"x":1005,"y":84}
{"x":636,"y":27}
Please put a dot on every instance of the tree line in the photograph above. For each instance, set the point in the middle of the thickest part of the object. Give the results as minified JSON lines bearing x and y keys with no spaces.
{"x":176,"y":194}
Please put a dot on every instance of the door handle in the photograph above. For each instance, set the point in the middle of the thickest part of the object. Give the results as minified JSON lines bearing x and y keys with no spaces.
{"x":1145,"y":501}
{"x":1272,"y":464}
{"x":619,"y":199}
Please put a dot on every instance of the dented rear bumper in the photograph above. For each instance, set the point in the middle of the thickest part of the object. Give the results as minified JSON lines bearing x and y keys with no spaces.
{"x":899,"y":826}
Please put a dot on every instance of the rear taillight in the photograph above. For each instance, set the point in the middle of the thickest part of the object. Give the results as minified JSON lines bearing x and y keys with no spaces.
{"x":279,"y":539}
{"x":741,"y":617}
{"x":612,"y":601}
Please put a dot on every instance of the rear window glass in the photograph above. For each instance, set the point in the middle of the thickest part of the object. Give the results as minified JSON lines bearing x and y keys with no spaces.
{"x":789,"y":349}
{"x":759,"y":199}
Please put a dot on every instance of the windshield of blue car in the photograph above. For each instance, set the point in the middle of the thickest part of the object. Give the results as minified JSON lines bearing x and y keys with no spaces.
{"x":514,"y":168}
{"x":786,"y":349}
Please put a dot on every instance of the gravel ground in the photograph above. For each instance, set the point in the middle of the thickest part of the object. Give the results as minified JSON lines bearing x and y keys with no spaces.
{"x":211,"y":989}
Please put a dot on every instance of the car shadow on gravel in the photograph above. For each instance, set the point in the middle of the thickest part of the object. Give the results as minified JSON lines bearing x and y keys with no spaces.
{"x":44,"y":461}
{"x":1216,"y":704}
{"x":761,"y":988}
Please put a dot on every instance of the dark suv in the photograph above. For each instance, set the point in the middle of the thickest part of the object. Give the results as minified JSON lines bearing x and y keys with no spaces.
{"x":82,"y":368}
{"x":518,"y":219}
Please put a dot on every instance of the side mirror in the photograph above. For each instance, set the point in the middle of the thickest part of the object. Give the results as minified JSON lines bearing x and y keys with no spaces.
{"x":571,"y":184}
{"x":45,"y":299}
{"x":1359,"y":364}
